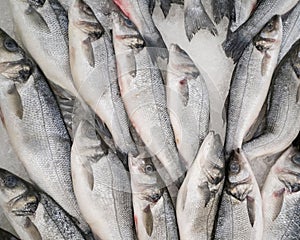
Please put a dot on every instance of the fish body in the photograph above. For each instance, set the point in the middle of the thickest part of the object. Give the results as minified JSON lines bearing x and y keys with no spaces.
{"x":237,"y":41}
{"x":188,"y":103}
{"x":94,"y":72}
{"x":281,"y":197}
{"x":240,"y":211}
{"x":7,"y":235}
{"x":37,"y":214}
{"x":101,"y":185}
{"x":43,"y":30}
{"x":251,"y":81}
{"x":199,"y":195}
{"x":35,"y":126}
{"x":283,"y":117}
{"x":143,"y":94}
{"x":154,"y":213}
{"x":221,"y":9}
{"x":291,"y":30}
{"x":196,"y":18}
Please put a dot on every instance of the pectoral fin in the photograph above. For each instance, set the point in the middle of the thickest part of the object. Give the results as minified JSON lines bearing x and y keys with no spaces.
{"x":88,"y":51}
{"x":15,"y":101}
{"x":148,"y":220}
{"x":251,"y":210}
{"x":278,"y":201}
{"x":37,"y":19}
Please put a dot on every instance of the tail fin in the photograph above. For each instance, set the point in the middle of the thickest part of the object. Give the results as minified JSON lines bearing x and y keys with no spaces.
{"x":165,"y":6}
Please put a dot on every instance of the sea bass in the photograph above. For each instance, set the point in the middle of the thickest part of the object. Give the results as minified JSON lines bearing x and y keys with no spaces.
{"x":35,"y":126}
{"x":240,"y":213}
{"x":143,"y":94}
{"x":154,"y":213}
{"x":199,"y":195}
{"x":283,"y":117}
{"x":281,"y":198}
{"x":237,"y":41}
{"x":39,"y":217}
{"x":94,"y":72}
{"x":101,"y":185}
{"x":188,"y":103}
{"x":42,"y":27}
{"x":251,"y":81}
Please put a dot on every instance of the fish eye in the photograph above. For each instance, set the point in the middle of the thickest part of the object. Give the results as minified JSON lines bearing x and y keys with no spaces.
{"x":128,"y":22}
{"x":234,"y":167}
{"x":270,"y":26}
{"x":10,"y":45}
{"x":10,"y":181}
{"x":155,"y":197}
{"x":296,"y":159}
{"x":149,"y":168}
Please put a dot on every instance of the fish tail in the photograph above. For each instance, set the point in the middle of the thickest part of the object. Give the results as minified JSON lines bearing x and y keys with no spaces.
{"x":157,"y":47}
{"x":234,"y":45}
{"x":165,"y":6}
{"x":222,"y":9}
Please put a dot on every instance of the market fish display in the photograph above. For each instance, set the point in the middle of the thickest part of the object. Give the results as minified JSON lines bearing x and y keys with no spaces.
{"x":34,"y":125}
{"x":94,"y":72}
{"x":143,"y":94}
{"x":101,"y":183}
{"x":250,"y":83}
{"x":187,"y":95}
{"x":283,"y":117}
{"x":42,"y":27}
{"x":199,"y":195}
{"x":37,"y":213}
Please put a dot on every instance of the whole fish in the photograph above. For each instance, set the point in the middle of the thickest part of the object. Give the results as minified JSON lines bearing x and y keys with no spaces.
{"x":101,"y":185}
{"x":196,"y":18}
{"x":154,"y":213}
{"x":240,"y":212}
{"x":283,"y":117}
{"x":143,"y":94}
{"x":199,"y":195}
{"x":4,"y":235}
{"x":251,"y":81}
{"x":188,"y":103}
{"x":291,"y":30}
{"x":35,"y":126}
{"x":237,"y":41}
{"x":94,"y":72}
{"x":39,"y":216}
{"x":281,"y":198}
{"x":242,"y":11}
{"x":42,"y":27}
{"x":221,"y":9}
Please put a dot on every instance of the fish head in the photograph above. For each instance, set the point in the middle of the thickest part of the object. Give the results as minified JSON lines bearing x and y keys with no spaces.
{"x":212,"y":159}
{"x":13,"y":63}
{"x":125,"y":31}
{"x":270,"y":36}
{"x":84,"y":19}
{"x":239,"y":182}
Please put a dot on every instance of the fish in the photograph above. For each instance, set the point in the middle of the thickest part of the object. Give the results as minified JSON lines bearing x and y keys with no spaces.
{"x":240,"y":211}
{"x":144,"y":97}
{"x":42,"y":28}
{"x":237,"y":41}
{"x":242,"y":11}
{"x":291,"y":30}
{"x":102,"y":183}
{"x":200,"y":192}
{"x":196,"y":18}
{"x":188,"y":103}
{"x":154,"y":213}
{"x":165,"y":6}
{"x":93,"y":67}
{"x":4,"y":235}
{"x":35,"y":126}
{"x":283,"y":116}
{"x":221,"y":9}
{"x":39,"y":216}
{"x":281,"y":197}
{"x":250,"y":82}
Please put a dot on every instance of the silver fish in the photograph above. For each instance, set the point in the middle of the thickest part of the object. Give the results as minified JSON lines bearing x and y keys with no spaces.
{"x":283,"y":118}
{"x":188,"y":103}
{"x":143,"y":94}
{"x":281,"y":198}
{"x":42,"y":27}
{"x":101,"y":185}
{"x":221,"y":9}
{"x":4,"y":235}
{"x":199,"y":195}
{"x":154,"y":213}
{"x":35,"y":126}
{"x":94,"y":72}
{"x":240,"y":212}
{"x":251,"y":81}
{"x":237,"y":41}
{"x":35,"y":212}
{"x":291,"y":30}
{"x":196,"y":18}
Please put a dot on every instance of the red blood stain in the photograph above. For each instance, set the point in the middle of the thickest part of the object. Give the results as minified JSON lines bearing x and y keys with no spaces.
{"x":135,"y":221}
{"x":124,"y":6}
{"x":183,"y":82}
